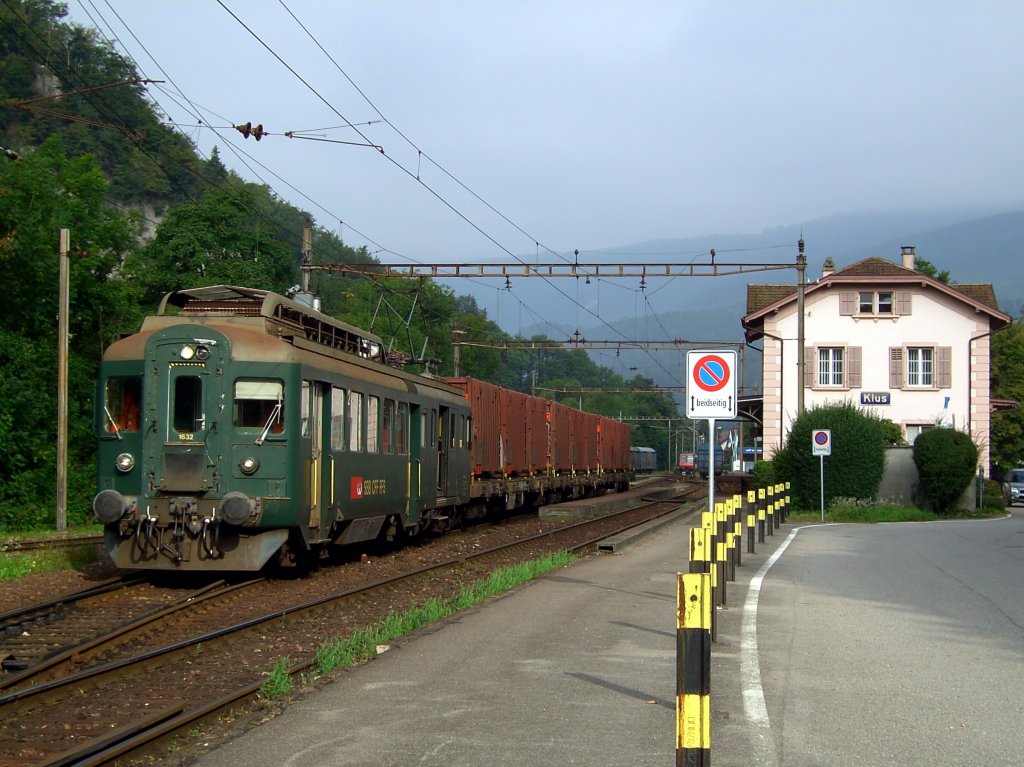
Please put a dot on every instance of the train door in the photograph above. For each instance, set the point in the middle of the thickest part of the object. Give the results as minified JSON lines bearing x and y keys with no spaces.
{"x":314,"y":419}
{"x":415,"y":443}
{"x":183,"y":395}
{"x":443,"y":438}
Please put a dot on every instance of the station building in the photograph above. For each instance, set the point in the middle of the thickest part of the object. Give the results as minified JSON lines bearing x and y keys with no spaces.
{"x":883,"y":336}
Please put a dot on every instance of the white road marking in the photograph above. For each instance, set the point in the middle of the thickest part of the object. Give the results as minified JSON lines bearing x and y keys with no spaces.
{"x":754,"y":706}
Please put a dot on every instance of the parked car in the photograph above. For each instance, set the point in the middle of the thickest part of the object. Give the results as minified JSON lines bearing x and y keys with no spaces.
{"x":1013,"y":487}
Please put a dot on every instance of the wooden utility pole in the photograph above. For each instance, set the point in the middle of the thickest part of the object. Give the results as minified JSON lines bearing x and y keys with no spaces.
{"x":62,"y":385}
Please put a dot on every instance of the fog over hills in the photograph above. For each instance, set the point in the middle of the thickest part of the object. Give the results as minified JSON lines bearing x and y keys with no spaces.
{"x":974,"y":245}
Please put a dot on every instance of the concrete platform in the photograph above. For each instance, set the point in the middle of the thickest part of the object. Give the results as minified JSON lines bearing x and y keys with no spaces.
{"x":589,"y":508}
{"x":576,"y":668}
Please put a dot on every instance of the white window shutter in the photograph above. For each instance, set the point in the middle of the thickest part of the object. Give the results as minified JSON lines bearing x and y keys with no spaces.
{"x":853,"y":376}
{"x":944,"y":367}
{"x":895,"y":367}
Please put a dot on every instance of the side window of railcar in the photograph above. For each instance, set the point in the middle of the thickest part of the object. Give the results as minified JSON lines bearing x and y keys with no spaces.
{"x":401,"y":427}
{"x":122,"y":403}
{"x":372,"y":424}
{"x":355,"y":420}
{"x":466,"y":431}
{"x":387,"y":444}
{"x":337,"y":419}
{"x":304,"y":409}
{"x":259,"y":404}
{"x":426,"y":419}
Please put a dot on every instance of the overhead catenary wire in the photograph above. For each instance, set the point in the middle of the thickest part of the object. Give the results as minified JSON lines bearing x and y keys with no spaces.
{"x":392,"y":160}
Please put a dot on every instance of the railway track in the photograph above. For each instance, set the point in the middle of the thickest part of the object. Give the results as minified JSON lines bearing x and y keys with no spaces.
{"x":121,"y":701}
{"x":40,"y":544}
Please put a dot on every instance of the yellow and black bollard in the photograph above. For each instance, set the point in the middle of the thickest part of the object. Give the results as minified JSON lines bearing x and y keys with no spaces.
{"x":762,"y":513}
{"x":751,"y":512}
{"x":694,"y":609}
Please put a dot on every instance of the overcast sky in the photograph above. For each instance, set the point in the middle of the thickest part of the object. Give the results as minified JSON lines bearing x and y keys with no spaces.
{"x":592,"y":124}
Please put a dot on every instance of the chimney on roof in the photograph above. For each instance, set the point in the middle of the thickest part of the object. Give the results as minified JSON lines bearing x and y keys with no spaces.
{"x":828,"y":267}
{"x":908,"y":256}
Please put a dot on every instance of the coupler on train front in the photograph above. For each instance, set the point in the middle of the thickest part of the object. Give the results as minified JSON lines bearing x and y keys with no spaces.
{"x":186,"y":532}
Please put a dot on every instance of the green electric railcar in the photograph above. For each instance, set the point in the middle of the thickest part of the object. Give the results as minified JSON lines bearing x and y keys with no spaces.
{"x":238,"y":426}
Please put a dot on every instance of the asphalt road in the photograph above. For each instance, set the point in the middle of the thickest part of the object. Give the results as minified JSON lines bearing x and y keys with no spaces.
{"x":877,"y":645}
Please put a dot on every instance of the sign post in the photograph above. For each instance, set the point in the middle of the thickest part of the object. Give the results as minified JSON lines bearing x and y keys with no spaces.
{"x":711,"y":394}
{"x":821,"y":445}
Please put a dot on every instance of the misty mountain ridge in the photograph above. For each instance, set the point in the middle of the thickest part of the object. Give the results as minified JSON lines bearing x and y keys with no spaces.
{"x":982,"y":249}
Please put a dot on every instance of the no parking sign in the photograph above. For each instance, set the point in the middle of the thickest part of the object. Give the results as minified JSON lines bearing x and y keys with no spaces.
{"x":821,"y":442}
{"x":711,"y":384}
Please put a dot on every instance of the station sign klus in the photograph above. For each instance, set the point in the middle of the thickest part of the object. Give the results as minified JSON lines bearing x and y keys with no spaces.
{"x":711,"y":384}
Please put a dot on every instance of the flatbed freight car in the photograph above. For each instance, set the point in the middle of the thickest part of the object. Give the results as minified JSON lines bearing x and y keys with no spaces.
{"x":239,"y":427}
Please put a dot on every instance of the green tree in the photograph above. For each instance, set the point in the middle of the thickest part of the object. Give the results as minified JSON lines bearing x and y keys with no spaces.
{"x":926,"y":267}
{"x":39,"y":195}
{"x":946,"y":461}
{"x":1007,"y":435}
{"x":217,"y":240}
{"x":855,"y":468}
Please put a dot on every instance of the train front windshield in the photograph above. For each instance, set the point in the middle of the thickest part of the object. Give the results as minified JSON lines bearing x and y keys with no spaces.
{"x":122,"y":403}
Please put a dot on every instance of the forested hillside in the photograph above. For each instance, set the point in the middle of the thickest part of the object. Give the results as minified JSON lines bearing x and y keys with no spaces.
{"x":85,"y":150}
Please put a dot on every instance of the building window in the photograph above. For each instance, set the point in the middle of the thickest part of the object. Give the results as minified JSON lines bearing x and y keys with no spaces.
{"x":915,"y":430}
{"x":875,"y":303}
{"x":920,"y":366}
{"x":830,"y":366}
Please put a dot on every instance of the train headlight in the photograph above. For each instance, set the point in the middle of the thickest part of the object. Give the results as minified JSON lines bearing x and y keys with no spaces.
{"x":125,"y":462}
{"x":187,"y":352}
{"x":248,"y":465}
{"x":202,"y":352}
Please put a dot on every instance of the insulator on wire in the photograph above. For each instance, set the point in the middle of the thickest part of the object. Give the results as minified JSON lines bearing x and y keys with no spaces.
{"x":247,"y":130}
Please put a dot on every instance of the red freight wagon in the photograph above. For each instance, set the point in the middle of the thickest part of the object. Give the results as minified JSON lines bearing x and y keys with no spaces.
{"x":537,"y":434}
{"x":501,"y":444}
{"x":515,"y":434}
{"x":614,"y":445}
{"x":561,"y":436}
{"x":514,"y":439}
{"x":486,"y":454}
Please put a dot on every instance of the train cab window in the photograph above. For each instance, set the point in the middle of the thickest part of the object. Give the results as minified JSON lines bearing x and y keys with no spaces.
{"x":187,"y":406}
{"x":401,"y":428}
{"x":387,"y":424}
{"x":337,"y":419}
{"x":122,"y":402}
{"x":259,"y":404}
{"x":355,"y":421}
{"x":372,"y":424}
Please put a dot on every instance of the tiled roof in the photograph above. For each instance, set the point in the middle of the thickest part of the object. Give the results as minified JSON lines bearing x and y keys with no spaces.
{"x":760,"y":296}
{"x":982,"y":293}
{"x":873,"y":267}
